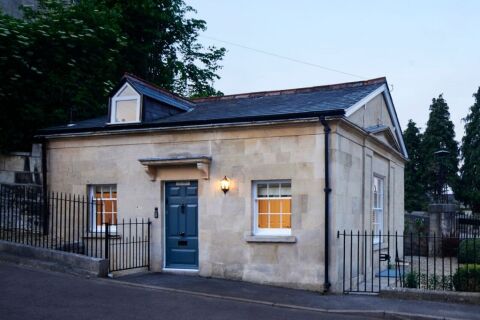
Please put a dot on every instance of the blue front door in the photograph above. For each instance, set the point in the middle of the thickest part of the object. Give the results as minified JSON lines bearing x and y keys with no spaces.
{"x":181,"y":224}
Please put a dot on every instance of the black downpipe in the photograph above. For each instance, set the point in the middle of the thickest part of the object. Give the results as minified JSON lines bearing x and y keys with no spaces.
{"x":44,"y":187}
{"x":327,"y":190}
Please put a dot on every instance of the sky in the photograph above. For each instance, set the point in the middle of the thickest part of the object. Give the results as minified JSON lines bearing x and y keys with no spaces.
{"x":423,"y":48}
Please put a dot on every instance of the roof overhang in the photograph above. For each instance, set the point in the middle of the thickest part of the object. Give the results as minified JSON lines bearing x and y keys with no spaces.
{"x":151,"y":127}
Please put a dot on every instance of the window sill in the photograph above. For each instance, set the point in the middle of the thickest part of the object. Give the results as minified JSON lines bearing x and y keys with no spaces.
{"x":122,"y":123}
{"x":270,"y":239}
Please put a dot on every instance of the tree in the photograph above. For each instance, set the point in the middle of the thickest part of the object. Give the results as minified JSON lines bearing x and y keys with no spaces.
{"x":469,"y":192}
{"x":57,"y":62}
{"x":162,"y":46}
{"x":438,"y":135}
{"x":415,"y":194}
{"x":60,"y":61}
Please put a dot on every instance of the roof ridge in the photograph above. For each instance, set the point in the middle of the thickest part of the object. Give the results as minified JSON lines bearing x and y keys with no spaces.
{"x":156,"y":87}
{"x":292,"y":91}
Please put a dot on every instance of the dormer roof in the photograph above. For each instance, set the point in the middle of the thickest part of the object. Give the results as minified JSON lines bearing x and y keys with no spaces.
{"x":154,"y":92}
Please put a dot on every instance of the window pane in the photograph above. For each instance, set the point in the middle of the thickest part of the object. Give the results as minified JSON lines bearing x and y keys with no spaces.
{"x":108,"y":206}
{"x":262,"y":206}
{"x":99,"y":218}
{"x":275,"y":220}
{"x":263,"y":221}
{"x":286,"y":206}
{"x":108,"y":218}
{"x":275,"y":206}
{"x":286,"y":221}
{"x":261,"y":190}
{"x":286,"y":190}
{"x":126,"y":111}
{"x":274,"y":190}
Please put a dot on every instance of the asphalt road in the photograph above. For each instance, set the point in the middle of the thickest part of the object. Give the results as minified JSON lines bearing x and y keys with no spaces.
{"x":34,"y":294}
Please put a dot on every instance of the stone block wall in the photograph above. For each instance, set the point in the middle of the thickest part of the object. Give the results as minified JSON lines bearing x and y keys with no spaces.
{"x":22,"y":168}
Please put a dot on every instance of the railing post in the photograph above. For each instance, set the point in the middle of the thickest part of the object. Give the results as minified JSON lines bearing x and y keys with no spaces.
{"x":107,"y":236}
{"x":148,"y":242}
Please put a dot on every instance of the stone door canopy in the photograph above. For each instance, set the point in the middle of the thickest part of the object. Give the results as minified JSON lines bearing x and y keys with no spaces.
{"x":202,"y":163}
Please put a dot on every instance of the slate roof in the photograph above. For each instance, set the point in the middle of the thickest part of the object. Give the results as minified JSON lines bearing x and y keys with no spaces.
{"x":256,"y":106}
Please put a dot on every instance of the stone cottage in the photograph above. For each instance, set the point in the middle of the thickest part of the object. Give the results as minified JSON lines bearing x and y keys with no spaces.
{"x":249,"y":186}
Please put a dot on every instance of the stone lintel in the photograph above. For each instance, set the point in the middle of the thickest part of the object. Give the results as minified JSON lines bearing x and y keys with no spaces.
{"x":202,"y":163}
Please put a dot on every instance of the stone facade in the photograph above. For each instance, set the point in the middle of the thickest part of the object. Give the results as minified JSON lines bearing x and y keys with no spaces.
{"x":291,"y":150}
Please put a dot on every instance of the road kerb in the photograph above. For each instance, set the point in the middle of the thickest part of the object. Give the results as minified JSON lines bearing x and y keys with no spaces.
{"x":386,"y":314}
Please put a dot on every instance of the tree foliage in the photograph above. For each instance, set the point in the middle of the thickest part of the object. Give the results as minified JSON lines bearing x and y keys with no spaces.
{"x":55,"y":59}
{"x":439,"y":134}
{"x":162,"y":46}
{"x":469,"y":193}
{"x":415,"y":194}
{"x":60,"y":61}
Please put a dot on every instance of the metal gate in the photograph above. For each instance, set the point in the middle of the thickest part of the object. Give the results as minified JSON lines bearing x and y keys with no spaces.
{"x":373,"y":261}
{"x":370,"y":261}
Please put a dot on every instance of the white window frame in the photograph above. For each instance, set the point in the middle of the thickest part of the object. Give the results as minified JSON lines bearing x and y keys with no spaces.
{"x":378,"y":211}
{"x":116,"y":98}
{"x":269,"y":231}
{"x":93,"y":208}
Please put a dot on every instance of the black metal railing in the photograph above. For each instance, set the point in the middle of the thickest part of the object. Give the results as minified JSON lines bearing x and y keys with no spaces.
{"x":374,"y":261}
{"x":128,"y":244}
{"x":465,"y":225}
{"x":68,"y":223}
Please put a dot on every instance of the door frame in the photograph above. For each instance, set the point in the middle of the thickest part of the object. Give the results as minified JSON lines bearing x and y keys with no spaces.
{"x":164,"y":228}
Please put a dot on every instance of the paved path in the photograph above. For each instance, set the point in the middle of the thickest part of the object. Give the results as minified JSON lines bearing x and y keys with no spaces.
{"x":298,"y":299}
{"x":33,"y":294}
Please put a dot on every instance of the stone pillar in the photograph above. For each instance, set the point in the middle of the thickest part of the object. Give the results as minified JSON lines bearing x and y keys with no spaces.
{"x":442,"y":217}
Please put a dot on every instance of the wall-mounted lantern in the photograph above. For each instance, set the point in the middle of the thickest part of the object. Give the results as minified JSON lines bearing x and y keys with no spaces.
{"x":225,"y":184}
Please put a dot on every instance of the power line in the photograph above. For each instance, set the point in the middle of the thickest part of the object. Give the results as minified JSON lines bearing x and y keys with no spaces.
{"x":283,"y":57}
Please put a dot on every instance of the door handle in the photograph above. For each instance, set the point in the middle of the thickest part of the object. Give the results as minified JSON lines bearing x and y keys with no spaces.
{"x":182,"y":234}
{"x":183,"y":207}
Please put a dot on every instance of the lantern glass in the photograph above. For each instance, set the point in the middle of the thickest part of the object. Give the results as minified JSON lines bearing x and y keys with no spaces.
{"x":225,"y":184}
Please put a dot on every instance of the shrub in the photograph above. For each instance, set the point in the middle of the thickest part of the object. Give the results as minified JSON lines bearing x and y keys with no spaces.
{"x":469,"y":251}
{"x":411,"y":280}
{"x":414,"y":280}
{"x":467,"y":278}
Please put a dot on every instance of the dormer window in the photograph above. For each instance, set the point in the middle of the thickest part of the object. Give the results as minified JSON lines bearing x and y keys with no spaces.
{"x":125,"y":106}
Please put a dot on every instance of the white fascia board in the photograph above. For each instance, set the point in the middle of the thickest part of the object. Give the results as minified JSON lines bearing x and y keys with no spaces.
{"x":396,"y":123}
{"x":126,"y":84}
{"x":383,"y":89}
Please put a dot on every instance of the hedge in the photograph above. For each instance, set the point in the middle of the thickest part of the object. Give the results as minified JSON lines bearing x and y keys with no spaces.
{"x":469,"y":251}
{"x":467,"y":278}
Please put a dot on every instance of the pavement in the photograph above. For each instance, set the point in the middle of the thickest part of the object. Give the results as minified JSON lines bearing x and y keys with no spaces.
{"x":36,"y":294}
